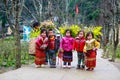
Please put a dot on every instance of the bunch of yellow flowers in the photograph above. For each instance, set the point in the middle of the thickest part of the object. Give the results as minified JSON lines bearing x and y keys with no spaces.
{"x":73,"y":28}
{"x":76,"y":28}
{"x":48,"y":24}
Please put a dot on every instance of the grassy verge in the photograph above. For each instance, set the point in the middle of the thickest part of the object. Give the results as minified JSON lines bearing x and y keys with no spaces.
{"x":118,"y":52}
{"x":110,"y":51}
{"x":7,"y":54}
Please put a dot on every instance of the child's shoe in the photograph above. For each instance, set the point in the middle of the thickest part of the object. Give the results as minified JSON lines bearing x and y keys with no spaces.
{"x":78,"y":66}
{"x":52,"y":66}
{"x":69,"y":66}
{"x":64,"y":66}
{"x":38,"y":66}
{"x":82,"y":67}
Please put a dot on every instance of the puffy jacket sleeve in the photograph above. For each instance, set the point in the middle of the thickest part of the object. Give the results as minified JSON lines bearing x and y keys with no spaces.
{"x":38,"y":42}
{"x":97,"y":44}
{"x":61,"y":43}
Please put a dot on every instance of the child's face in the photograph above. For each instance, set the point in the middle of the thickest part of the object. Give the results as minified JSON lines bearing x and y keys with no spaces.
{"x":81,"y":34}
{"x":68,"y":33}
{"x":43,"y":34}
{"x":37,"y":27}
{"x":89,"y":37}
{"x":50,"y":33}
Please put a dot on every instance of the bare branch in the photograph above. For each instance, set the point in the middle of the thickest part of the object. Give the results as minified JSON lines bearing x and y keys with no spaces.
{"x":21,"y":6}
{"x":34,"y":3}
{"x":30,"y":13}
{"x":8,"y":14}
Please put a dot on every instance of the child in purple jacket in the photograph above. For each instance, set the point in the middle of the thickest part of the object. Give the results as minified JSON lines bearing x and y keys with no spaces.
{"x":66,"y":46}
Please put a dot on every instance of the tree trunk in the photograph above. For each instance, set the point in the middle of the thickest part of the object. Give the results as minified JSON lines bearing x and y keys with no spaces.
{"x":17,"y":36}
{"x":116,"y":41}
{"x":115,"y":30}
{"x":16,"y":9}
{"x":105,"y":38}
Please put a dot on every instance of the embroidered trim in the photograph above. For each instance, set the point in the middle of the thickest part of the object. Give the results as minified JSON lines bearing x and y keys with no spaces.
{"x":90,"y":59}
{"x":37,"y":59}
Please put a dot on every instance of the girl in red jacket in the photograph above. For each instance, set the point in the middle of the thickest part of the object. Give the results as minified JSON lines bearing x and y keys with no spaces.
{"x":79,"y":46}
{"x":40,"y":48}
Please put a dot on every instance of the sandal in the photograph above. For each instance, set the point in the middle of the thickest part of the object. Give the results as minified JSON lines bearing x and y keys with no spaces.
{"x":91,"y":69}
{"x":87,"y":69}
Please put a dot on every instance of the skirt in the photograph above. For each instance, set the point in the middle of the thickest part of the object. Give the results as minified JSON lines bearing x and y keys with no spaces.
{"x":40,"y":57}
{"x":91,"y":59}
{"x":67,"y":56}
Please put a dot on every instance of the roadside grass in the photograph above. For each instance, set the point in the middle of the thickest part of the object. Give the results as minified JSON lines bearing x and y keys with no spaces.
{"x":7,"y":54}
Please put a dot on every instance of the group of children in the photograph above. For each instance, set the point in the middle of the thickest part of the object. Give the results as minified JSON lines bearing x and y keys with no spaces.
{"x":47,"y":47}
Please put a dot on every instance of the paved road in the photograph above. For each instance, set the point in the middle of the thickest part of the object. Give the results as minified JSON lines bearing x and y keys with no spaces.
{"x":104,"y":71}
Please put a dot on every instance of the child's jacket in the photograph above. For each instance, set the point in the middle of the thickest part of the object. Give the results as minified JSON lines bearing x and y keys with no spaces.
{"x":79,"y":44}
{"x":67,"y":44}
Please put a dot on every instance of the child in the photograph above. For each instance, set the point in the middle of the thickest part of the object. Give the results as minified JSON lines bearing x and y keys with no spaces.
{"x":66,"y":46}
{"x":36,"y":30}
{"x":41,"y":45}
{"x":53,"y":45}
{"x":90,"y":48}
{"x":33,"y":35}
{"x":79,"y":46}
{"x":60,"y":58}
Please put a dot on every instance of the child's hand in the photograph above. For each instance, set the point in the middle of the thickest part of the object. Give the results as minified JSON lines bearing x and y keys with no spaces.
{"x":73,"y":50}
{"x":95,"y":49}
{"x":43,"y":46}
{"x":61,"y":50}
{"x":46,"y":39}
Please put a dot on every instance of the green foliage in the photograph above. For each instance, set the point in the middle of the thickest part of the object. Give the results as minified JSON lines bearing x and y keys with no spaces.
{"x":90,"y":10}
{"x":95,"y":29}
{"x":7,"y":54}
{"x":46,"y":24}
{"x":94,"y":15}
{"x":118,"y":52}
{"x":73,"y":28}
{"x":110,"y":49}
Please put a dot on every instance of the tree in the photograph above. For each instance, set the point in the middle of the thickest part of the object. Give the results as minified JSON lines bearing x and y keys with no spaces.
{"x":115,"y":29}
{"x":105,"y":19}
{"x":13,"y":12}
{"x":110,"y":19}
{"x":90,"y":11}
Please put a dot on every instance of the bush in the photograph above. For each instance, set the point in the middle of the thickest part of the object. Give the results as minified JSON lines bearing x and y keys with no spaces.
{"x":7,"y":54}
{"x":110,"y":51}
{"x":118,"y":52}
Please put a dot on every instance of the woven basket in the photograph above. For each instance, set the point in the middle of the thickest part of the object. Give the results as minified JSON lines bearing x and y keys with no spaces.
{"x":32,"y":46}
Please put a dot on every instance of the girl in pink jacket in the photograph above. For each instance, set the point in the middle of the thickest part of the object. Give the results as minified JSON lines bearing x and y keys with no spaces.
{"x":66,"y":46}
